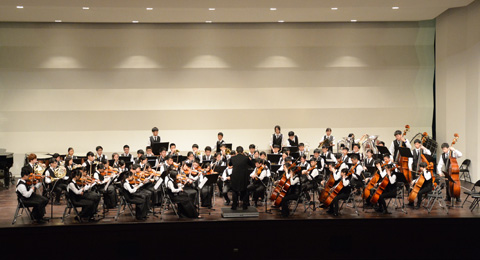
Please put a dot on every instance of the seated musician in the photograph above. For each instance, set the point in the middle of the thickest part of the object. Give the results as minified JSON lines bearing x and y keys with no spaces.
{"x":357,"y":172}
{"x":126,"y":153}
{"x":70,"y":152}
{"x":378,"y":165}
{"x":369,"y":161}
{"x":79,"y":198}
{"x":444,"y":161}
{"x":140,"y":153}
{"x":259,"y":180}
{"x":313,"y":177}
{"x":276,"y":149}
{"x":206,"y":192}
{"x":142,"y":162}
{"x":149,"y":152}
{"x":90,"y":193}
{"x":251,"y":150}
{"x":413,"y":162}
{"x":173,"y":150}
{"x":105,"y":187}
{"x":319,"y":159}
{"x":292,"y":193}
{"x":161,"y":158}
{"x":27,"y":192}
{"x":387,"y":160}
{"x":329,"y":156}
{"x":223,"y":152}
{"x":175,"y":190}
{"x":330,"y":138}
{"x":56,"y":186}
{"x":208,"y":155}
{"x":99,"y":156}
{"x":344,"y":192}
{"x":304,"y":162}
{"x":256,"y":155}
{"x":134,"y":196}
{"x":292,"y":139}
{"x":281,"y":161}
{"x":89,"y":164}
{"x":190,"y":174}
{"x":356,"y":150}
{"x":226,"y":184}
{"x":344,"y":158}
{"x":427,"y":185}
{"x":301,"y":149}
{"x":390,"y":191}
{"x":58,"y":158}
{"x":263,"y":156}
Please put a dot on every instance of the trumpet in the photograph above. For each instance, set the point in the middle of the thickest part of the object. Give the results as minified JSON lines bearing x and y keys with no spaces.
{"x":228,"y":151}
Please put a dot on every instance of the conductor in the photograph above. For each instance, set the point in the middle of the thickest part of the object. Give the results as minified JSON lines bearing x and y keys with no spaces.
{"x":240,"y":177}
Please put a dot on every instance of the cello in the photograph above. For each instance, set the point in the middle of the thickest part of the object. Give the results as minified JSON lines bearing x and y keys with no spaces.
{"x":333,"y":193}
{"x":282,"y":187}
{"x":371,"y":184}
{"x":454,"y":172}
{"x":381,"y":188}
{"x":402,"y":162}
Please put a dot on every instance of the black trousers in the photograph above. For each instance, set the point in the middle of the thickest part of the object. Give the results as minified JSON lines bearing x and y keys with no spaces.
{"x":185,"y":205}
{"x":38,"y":203}
{"x":94,"y":197}
{"x":423,"y":193}
{"x":334,"y":204}
{"x":257,"y":189}
{"x":286,"y":200}
{"x":109,"y":195}
{"x":206,"y":195}
{"x":88,"y":207}
{"x":243,"y":195}
{"x":59,"y":186}
{"x":140,"y":200}
{"x":225,"y":189}
{"x":392,"y":193}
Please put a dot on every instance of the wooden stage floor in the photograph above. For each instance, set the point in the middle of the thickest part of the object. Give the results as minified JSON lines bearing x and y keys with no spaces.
{"x":311,"y":233}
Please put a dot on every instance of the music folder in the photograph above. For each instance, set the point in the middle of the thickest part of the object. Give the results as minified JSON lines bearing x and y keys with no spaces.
{"x":383,"y":150}
{"x":205,"y":163}
{"x":229,"y":146}
{"x":208,"y":180}
{"x":157,"y":146}
{"x":219,"y":169}
{"x":293,"y":149}
{"x":274,"y":158}
{"x":405,"y":152}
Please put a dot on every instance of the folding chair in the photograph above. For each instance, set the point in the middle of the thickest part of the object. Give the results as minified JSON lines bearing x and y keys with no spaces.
{"x":437,"y":195}
{"x":464,"y":172}
{"x":399,"y":200}
{"x":123,"y":202}
{"x":350,"y":199}
{"x":167,"y":203}
{"x":21,"y":205}
{"x":471,"y":192}
{"x":69,"y":207}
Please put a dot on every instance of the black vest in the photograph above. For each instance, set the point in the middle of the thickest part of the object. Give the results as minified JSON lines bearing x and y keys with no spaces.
{"x":294,"y":142}
{"x":395,"y":144}
{"x":218,"y":145}
{"x":72,"y":194}
{"x":153,"y":141}
{"x":26,"y":187}
{"x":277,"y":141}
{"x":371,"y":164}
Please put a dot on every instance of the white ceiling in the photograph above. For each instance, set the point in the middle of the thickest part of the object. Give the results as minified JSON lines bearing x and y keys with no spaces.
{"x":226,"y":11}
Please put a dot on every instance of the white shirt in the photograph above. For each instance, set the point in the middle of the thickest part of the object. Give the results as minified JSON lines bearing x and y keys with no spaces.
{"x":284,"y":140}
{"x":358,"y":171}
{"x":171,"y":186}
{"x":72,"y":187}
{"x":313,"y":174}
{"x":441,"y":165}
{"x":23,"y":189}
{"x":391,"y":179}
{"x":331,"y":158}
{"x":392,"y":146}
{"x":263,"y":174}
{"x":426,"y":174}
{"x":226,"y":173}
{"x":410,"y":160}
{"x":294,"y":180}
{"x":333,"y":139}
{"x":96,"y":175}
{"x":129,"y":188}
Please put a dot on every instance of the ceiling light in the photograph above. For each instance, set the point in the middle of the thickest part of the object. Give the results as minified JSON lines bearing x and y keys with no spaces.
{"x":281,"y":21}
{"x":85,"y":8}
{"x":353,"y":21}
{"x":149,"y":9}
{"x":334,"y":8}
{"x":58,"y":21}
{"x":134,"y":21}
{"x":211,"y":9}
{"x":273,"y":9}
{"x":208,"y":21}
{"x":395,"y":8}
{"x":20,"y":6}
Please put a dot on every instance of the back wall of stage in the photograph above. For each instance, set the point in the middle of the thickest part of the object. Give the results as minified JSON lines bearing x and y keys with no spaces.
{"x":84,"y":85}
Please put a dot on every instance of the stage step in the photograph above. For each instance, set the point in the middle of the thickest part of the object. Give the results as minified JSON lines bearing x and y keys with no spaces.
{"x":251,"y":212}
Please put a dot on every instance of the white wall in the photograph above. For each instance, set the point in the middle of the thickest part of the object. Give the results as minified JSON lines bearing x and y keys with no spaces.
{"x":457,"y":80}
{"x":84,"y":85}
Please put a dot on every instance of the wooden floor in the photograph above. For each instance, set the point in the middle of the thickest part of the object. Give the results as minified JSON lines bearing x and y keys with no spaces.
{"x":8,"y":205}
{"x":310,"y":235}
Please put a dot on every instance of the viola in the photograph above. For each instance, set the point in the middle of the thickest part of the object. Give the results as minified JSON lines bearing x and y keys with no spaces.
{"x":85,"y":180}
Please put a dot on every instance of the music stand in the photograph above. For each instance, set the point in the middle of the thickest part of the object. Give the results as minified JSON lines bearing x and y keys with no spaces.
{"x":152,"y":161}
{"x":405,"y":152}
{"x":77,"y":161}
{"x":156,"y":147}
{"x":295,"y":155}
{"x":204,"y":163}
{"x":219,"y":169}
{"x":229,"y":146}
{"x":110,"y":162}
{"x":274,"y":158}
{"x":211,"y":180}
{"x":178,"y":158}
{"x":293,"y":149}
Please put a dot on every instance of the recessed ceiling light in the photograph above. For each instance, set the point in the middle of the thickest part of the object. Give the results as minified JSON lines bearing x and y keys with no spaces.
{"x":395,"y":8}
{"x":334,"y":8}
{"x":211,"y":9}
{"x":149,"y":8}
{"x":85,"y":8}
{"x":134,"y":21}
{"x":273,"y":9}
{"x":58,"y":21}
{"x":353,"y":21}
{"x":20,"y":6}
{"x":208,"y":21}
{"x":281,"y":21}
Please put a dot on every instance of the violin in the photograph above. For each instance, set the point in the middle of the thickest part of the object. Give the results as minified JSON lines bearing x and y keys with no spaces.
{"x":258,"y":172}
{"x":109,"y":172}
{"x":33,"y":178}
{"x":134,"y":181}
{"x":85,"y":180}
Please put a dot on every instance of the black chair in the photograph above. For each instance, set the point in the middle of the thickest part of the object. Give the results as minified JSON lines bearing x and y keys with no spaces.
{"x":21,"y":206}
{"x":472,"y":192}
{"x":437,"y":195}
{"x":464,"y":172}
{"x":69,"y":208}
{"x":350,"y":199}
{"x":399,"y":200}
{"x":167,"y":202}
{"x":123,"y":202}
{"x":476,"y":200}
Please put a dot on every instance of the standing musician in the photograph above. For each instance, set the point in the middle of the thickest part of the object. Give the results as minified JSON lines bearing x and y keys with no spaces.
{"x":219,"y":142}
{"x":340,"y":176}
{"x":330,"y":137}
{"x":259,"y":180}
{"x":427,"y":185}
{"x":89,"y":164}
{"x":226,"y":183}
{"x":390,"y":191}
{"x":177,"y":194}
{"x":105,"y":187}
{"x":419,"y":149}
{"x":292,"y":139}
{"x":208,"y":155}
{"x":240,"y":178}
{"x":277,"y":139}
{"x":126,"y":152}
{"x":443,"y":162}
{"x":70,"y":152}
{"x":154,"y":138}
{"x":400,"y":141}
{"x":27,"y":192}
{"x":100,"y":157}
{"x":79,"y":198}
{"x":218,"y":162}
{"x":134,"y":196}
{"x":292,"y":193}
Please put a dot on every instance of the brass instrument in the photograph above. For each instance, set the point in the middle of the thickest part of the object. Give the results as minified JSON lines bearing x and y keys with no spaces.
{"x":60,"y":172}
{"x":39,"y":169}
{"x":228,"y":151}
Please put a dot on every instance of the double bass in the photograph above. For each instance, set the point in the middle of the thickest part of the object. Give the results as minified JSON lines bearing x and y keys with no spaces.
{"x":454,"y":172}
{"x":421,"y":179}
{"x":402,"y":162}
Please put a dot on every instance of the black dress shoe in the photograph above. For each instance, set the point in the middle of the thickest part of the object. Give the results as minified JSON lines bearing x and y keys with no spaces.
{"x":411,"y":205}
{"x":335,"y":214}
{"x":329,"y":211}
{"x":209,"y":207}
{"x":417,"y":207}
{"x":41,"y":221}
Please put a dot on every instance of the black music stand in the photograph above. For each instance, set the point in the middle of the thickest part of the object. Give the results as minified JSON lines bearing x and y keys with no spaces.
{"x":383,"y":150}
{"x":229,"y":146}
{"x":178,"y":158}
{"x":293,"y":149}
{"x":77,"y":161}
{"x":152,"y":161}
{"x":110,"y":162}
{"x":405,"y":152}
{"x":127,"y":160}
{"x":295,"y":155}
{"x":204,"y":163}
{"x":156,"y":147}
{"x":274,"y":158}
{"x":211,"y":180}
